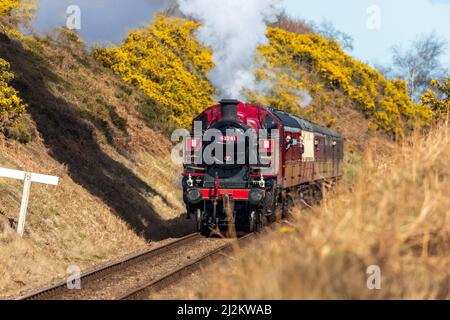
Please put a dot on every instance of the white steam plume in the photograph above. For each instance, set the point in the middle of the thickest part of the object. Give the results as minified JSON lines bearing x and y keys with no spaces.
{"x":233,"y":29}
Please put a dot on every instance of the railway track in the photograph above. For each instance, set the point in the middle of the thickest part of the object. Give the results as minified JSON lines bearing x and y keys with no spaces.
{"x":119,"y":278}
{"x":146,"y":291}
{"x":140,"y":276}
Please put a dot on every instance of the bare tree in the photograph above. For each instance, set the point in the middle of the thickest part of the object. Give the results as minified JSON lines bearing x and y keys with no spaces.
{"x":329,"y":31}
{"x":419,"y":64}
{"x":325,"y":29}
{"x":173,"y":10}
{"x":295,"y":25}
{"x":24,"y":13}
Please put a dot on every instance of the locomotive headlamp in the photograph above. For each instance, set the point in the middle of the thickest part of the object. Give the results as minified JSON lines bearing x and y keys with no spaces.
{"x":194,"y":196}
{"x":262,"y":182}
{"x":256,"y":196}
{"x":190,"y":182}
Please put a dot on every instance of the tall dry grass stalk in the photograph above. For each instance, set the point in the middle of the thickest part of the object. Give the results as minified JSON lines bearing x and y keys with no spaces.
{"x":395,"y":215}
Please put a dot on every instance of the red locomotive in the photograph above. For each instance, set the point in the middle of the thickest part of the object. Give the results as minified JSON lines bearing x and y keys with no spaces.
{"x":244,"y":163}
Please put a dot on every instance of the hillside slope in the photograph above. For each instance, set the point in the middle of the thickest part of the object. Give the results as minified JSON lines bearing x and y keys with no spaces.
{"x":299,"y":73}
{"x":119,"y":189}
{"x":104,"y":132}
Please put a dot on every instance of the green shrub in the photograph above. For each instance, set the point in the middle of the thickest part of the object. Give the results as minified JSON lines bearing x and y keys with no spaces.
{"x":11,"y":106}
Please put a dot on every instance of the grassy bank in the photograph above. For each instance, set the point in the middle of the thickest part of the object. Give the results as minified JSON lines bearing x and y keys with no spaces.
{"x":395,"y":215}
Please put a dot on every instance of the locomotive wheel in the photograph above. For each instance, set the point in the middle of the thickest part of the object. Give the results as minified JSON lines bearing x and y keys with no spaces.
{"x":272,"y":218}
{"x":288,"y":204}
{"x":199,"y":217}
{"x":318,"y":194}
{"x":252,"y":222}
{"x":259,"y":222}
{"x":256,"y":222}
{"x":275,"y":216}
{"x":201,"y":227}
{"x":205,"y":231}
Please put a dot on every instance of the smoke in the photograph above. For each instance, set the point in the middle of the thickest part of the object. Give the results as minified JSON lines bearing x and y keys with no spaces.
{"x":274,"y":82}
{"x":233,"y":29}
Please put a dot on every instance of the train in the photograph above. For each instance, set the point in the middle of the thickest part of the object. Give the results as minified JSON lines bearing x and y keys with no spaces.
{"x":245,"y":165}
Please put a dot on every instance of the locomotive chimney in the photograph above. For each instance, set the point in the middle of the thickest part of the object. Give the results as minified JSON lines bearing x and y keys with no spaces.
{"x":229,"y":109}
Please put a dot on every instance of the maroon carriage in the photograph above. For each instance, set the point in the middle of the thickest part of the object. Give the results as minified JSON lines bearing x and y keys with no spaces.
{"x":244,"y":163}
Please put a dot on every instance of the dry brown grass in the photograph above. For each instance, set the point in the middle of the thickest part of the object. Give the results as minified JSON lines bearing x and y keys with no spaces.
{"x":66,"y":225}
{"x":395,"y":215}
{"x":118,"y":189}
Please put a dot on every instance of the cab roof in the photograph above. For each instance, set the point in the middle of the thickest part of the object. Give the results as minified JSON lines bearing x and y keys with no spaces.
{"x":291,"y":121}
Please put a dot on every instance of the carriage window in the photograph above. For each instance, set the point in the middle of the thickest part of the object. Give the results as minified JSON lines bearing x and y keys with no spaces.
{"x":289,"y":143}
{"x":270,"y":123}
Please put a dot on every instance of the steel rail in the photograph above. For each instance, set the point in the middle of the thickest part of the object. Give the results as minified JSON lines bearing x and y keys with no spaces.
{"x":53,"y":291}
{"x":154,"y":286}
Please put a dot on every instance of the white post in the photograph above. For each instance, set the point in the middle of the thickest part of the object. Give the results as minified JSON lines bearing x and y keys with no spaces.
{"x":28,"y":177}
{"x":24,"y":205}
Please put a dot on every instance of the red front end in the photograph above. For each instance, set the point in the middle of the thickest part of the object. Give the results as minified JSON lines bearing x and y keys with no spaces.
{"x":237,"y":183}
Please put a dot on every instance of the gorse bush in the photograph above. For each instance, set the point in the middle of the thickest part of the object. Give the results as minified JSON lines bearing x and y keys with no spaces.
{"x":168,"y":64}
{"x":306,"y":56}
{"x":11,"y":106}
{"x":7,"y":5}
{"x":166,"y":61}
{"x":438,"y":98}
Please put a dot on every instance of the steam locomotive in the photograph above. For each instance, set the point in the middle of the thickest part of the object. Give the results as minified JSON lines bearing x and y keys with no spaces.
{"x":244,"y":164}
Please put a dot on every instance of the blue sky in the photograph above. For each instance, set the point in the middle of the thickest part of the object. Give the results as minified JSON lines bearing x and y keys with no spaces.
{"x":401,"y":22}
{"x":102,"y":21}
{"x":107,"y":21}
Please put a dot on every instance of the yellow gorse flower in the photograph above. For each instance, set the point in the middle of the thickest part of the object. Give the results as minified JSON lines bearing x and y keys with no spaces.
{"x":386,"y":103}
{"x":167,"y":62}
{"x":11,"y":106}
{"x":7,"y":5}
{"x":437,"y":98}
